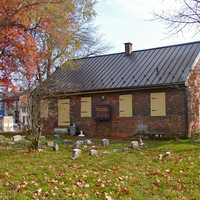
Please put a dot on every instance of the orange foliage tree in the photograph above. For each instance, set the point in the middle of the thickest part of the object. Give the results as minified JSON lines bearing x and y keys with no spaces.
{"x":30,"y":30}
{"x":33,"y":31}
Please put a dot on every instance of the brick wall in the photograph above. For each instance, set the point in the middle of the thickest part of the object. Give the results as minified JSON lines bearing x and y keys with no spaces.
{"x":193,"y":96}
{"x":173,"y":123}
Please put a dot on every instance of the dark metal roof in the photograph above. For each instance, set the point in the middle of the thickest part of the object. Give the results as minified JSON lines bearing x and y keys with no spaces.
{"x":143,"y":68}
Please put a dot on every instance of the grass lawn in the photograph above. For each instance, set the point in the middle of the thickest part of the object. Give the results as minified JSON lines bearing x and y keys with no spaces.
{"x":114,"y":174}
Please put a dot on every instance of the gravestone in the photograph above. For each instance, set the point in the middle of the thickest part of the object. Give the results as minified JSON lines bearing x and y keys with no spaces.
{"x":93,"y":152}
{"x":17,"y":138}
{"x":75,"y":153}
{"x":61,"y":131}
{"x":55,"y":146}
{"x":88,"y":142}
{"x":166,"y":155}
{"x":8,"y":124}
{"x":141,"y":143}
{"x":134,"y":145}
{"x":78,"y":144}
{"x":105,"y":142}
{"x":81,"y":134}
{"x":50,"y":143}
{"x":73,"y":130}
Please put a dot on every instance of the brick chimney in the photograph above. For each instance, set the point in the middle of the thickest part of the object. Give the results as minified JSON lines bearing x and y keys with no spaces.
{"x":128,"y":48}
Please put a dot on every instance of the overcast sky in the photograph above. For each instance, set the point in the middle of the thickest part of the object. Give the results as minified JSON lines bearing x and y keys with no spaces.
{"x":121,"y":21}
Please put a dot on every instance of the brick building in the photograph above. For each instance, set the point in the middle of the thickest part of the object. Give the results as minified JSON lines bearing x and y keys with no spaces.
{"x":115,"y":95}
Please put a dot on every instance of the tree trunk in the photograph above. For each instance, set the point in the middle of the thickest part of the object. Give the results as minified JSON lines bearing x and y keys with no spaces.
{"x":35,"y":119}
{"x":49,"y":67}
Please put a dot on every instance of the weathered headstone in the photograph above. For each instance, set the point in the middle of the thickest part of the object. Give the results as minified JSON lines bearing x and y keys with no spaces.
{"x":168,"y":153}
{"x":80,"y":141}
{"x":88,"y":142}
{"x":8,"y":123}
{"x":134,"y":144}
{"x":105,"y":142}
{"x":61,"y":131}
{"x":75,"y":153}
{"x":141,"y":143}
{"x":81,"y":134}
{"x":165,"y":155}
{"x":50,"y":143}
{"x":73,"y":129}
{"x":55,"y":146}
{"x":160,"y":156}
{"x":93,"y":152}
{"x":17,"y":138}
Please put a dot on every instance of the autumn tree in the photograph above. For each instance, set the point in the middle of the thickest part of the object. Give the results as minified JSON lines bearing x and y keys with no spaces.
{"x":185,"y":16}
{"x":35,"y":35}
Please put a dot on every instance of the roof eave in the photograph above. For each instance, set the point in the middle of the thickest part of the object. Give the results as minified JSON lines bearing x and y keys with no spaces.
{"x":124,"y":89}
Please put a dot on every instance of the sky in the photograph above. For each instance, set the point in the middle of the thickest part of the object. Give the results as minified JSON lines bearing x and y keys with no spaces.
{"x":120,"y":21}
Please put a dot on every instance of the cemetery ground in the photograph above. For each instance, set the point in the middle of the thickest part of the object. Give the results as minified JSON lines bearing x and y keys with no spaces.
{"x":115,"y":173}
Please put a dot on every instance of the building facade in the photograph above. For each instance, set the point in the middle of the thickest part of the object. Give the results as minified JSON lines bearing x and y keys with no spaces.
{"x":118,"y":94}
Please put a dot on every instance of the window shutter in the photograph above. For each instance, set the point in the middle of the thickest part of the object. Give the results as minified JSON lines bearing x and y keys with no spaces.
{"x":44,"y":109}
{"x":63,"y":112}
{"x":86,"y":107}
{"x":125,"y":105}
{"x":158,"y":104}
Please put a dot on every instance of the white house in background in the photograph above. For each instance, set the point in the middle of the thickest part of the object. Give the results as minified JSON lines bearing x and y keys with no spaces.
{"x":8,"y":124}
{"x":23,"y":111}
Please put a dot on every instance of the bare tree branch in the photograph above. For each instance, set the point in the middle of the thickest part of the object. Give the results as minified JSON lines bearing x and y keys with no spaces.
{"x":187,"y":16}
